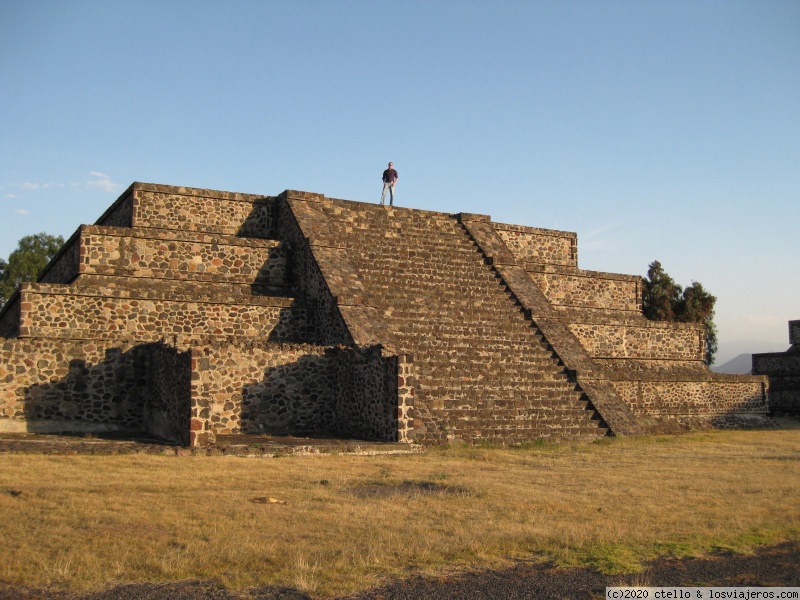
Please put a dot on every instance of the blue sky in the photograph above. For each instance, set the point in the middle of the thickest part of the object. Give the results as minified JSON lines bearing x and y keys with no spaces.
{"x":662,"y":131}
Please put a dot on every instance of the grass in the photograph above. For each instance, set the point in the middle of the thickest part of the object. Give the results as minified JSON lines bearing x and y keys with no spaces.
{"x":81,"y":522}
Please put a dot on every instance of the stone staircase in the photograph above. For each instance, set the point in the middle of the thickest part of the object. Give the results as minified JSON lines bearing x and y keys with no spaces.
{"x":483,"y":371}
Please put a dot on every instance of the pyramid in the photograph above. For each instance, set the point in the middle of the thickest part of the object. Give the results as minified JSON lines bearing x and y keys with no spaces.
{"x":190,"y":314}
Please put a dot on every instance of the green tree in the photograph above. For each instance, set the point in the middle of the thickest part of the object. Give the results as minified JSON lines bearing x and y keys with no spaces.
{"x":26,"y":262}
{"x":660,"y":295}
{"x":3,"y":266}
{"x":711,"y":340}
{"x":663,"y":300}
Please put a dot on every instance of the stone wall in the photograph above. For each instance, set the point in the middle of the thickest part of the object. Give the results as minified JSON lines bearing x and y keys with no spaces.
{"x":163,"y":254}
{"x":86,"y":386}
{"x":120,"y":214}
{"x":71,"y":385}
{"x":167,"y":409}
{"x":261,"y":389}
{"x":10,"y":317}
{"x":642,"y":340}
{"x":366,"y":394}
{"x":191,"y":209}
{"x":718,"y":401}
{"x":64,"y":266}
{"x":211,"y":390}
{"x":566,"y":288}
{"x":784,"y":395}
{"x":406,"y":385}
{"x":540,"y":246}
{"x":295,"y":389}
{"x":783,"y":370}
{"x":777,"y":363}
{"x":53,"y":311}
{"x":311,"y":287}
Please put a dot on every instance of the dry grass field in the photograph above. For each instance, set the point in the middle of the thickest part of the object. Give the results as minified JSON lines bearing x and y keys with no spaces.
{"x":345,"y":522}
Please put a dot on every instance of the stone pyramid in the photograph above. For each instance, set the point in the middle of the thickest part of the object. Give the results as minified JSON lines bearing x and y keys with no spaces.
{"x":190,"y":314}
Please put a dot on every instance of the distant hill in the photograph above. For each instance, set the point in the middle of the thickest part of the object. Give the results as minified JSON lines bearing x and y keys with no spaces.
{"x":739,"y":365}
{"x":730,"y":350}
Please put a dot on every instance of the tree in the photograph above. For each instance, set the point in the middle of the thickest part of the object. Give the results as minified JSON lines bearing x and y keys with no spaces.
{"x":663,"y":300}
{"x":660,"y":295}
{"x":3,"y":266}
{"x":711,"y":340}
{"x":26,"y":262}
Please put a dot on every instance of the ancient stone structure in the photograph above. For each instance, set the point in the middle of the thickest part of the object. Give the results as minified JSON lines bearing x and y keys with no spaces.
{"x":783,"y":370}
{"x":191,"y":314}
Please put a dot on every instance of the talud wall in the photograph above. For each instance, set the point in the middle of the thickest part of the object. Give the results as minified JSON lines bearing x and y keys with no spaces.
{"x":76,"y":386}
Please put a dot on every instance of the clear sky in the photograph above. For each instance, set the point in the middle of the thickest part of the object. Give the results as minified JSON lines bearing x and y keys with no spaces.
{"x":657,"y":130}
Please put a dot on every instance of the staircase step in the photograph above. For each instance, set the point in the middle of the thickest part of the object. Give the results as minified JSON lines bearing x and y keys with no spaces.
{"x":106,"y":313}
{"x":165,"y":254}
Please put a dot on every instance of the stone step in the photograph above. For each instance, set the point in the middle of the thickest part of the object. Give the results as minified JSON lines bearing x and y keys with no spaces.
{"x":530,"y":423}
{"x":516,"y":385}
{"x":436,"y":352}
{"x":136,"y":287}
{"x":441,"y":354}
{"x":434,"y":340}
{"x":164,"y":254}
{"x":510,"y":433}
{"x":192,"y":209}
{"x":460,"y":320}
{"x":103,"y":313}
{"x":571,"y":403}
{"x":408,"y":246}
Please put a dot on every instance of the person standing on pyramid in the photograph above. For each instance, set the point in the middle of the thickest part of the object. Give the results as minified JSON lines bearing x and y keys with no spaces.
{"x":390,"y":178}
